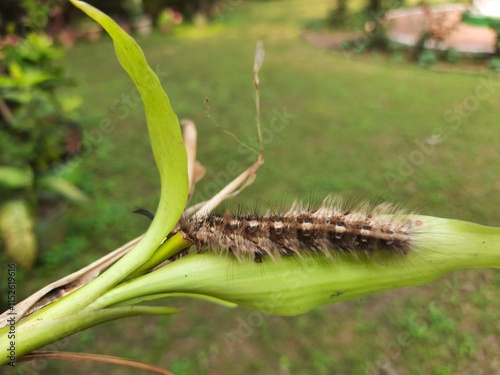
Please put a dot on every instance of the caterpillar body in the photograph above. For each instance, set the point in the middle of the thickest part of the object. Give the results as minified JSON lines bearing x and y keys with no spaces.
{"x":330,"y":229}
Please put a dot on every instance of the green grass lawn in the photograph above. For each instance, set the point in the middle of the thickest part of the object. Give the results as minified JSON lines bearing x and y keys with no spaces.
{"x":355,"y":125}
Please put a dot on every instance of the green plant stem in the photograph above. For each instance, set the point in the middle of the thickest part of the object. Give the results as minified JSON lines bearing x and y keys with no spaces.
{"x":166,"y":250}
{"x":36,"y":334}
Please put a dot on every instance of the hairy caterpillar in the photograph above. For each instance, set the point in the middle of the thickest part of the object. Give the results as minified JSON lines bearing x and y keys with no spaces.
{"x":332,"y":228}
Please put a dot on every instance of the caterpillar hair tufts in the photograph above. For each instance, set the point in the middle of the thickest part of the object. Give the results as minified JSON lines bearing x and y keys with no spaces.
{"x":332,"y":228}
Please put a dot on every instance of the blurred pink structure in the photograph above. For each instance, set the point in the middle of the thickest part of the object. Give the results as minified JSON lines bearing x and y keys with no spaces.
{"x":407,"y":25}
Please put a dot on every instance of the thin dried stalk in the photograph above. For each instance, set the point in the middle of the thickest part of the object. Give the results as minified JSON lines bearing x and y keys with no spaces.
{"x":95,"y":358}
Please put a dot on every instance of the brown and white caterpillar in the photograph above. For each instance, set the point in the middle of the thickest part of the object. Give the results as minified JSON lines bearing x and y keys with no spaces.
{"x":330,"y":229}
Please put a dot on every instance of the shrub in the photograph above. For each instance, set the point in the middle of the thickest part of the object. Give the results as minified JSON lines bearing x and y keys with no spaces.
{"x":427,"y":58}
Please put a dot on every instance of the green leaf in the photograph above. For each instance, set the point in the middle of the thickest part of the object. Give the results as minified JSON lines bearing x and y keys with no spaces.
{"x":154,"y":297}
{"x":64,"y":188}
{"x":163,"y":125}
{"x":15,"y":178}
{"x":16,"y":228}
{"x":70,"y":102}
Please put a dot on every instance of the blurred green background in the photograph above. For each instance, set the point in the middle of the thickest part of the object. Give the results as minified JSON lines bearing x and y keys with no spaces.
{"x":355,"y":125}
